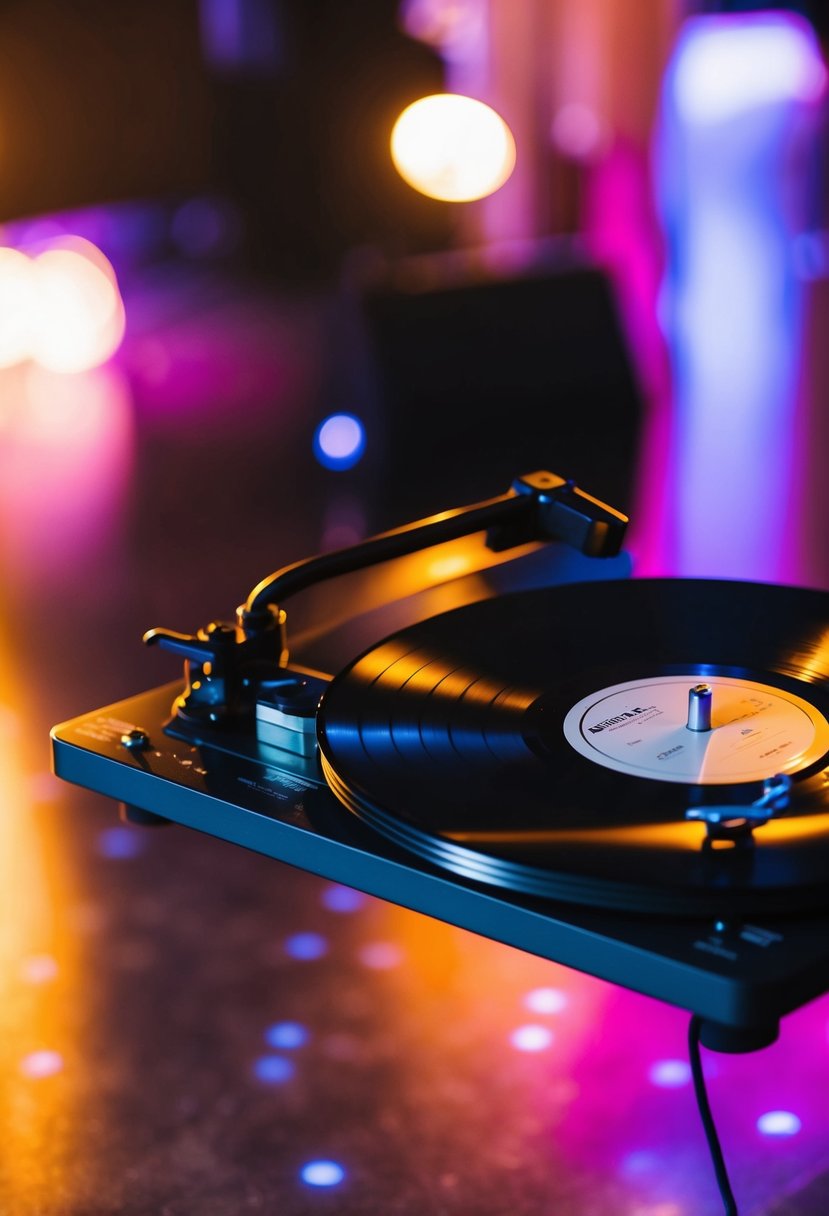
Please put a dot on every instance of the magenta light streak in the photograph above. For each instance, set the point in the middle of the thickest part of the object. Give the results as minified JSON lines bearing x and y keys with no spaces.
{"x":622,"y":232}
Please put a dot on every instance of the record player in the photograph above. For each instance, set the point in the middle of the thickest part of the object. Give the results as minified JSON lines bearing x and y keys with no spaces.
{"x":625,"y":776}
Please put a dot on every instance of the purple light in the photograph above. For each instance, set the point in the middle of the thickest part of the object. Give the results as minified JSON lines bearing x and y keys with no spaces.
{"x":339,"y":441}
{"x":531,"y":1038}
{"x":306,"y":946}
{"x":322,"y":1173}
{"x":639,"y":1161}
{"x":241,"y":36}
{"x":273,"y":1070}
{"x":778,"y":1123}
{"x":337,"y":898}
{"x":120,"y":843}
{"x":739,"y":115}
{"x":205,"y":227}
{"x":286,"y":1035}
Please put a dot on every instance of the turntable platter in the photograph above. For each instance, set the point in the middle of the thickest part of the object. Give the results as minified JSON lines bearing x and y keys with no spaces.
{"x":541,"y":742}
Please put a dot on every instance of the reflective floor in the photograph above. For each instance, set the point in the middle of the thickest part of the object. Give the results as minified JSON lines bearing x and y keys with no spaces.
{"x":187,"y":1029}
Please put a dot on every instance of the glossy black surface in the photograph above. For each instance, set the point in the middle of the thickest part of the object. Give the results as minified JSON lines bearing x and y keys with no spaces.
{"x":448,"y":739}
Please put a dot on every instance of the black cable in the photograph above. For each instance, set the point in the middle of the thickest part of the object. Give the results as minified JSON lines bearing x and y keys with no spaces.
{"x":717,"y":1159}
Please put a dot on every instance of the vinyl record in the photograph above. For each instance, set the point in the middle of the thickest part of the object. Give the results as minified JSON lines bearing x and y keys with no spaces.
{"x":540,"y":742}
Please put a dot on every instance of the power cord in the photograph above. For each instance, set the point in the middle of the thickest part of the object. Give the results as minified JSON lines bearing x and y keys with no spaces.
{"x":704,"y":1107}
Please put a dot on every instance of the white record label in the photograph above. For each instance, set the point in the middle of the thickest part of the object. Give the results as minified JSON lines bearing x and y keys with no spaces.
{"x":641,"y":728}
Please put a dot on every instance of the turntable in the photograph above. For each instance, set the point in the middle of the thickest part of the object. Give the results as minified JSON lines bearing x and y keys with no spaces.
{"x":625,"y":776}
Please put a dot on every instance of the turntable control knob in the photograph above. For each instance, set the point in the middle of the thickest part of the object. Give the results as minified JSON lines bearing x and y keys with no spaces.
{"x":135,"y":740}
{"x":699,"y":707}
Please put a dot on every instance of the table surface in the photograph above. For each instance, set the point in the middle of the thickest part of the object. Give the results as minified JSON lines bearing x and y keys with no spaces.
{"x":187,"y":1027}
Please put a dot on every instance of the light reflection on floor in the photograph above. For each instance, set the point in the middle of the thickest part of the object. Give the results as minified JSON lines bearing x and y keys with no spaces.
{"x":38,"y":962}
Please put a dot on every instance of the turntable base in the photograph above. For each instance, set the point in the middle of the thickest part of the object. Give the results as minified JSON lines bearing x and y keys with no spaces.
{"x":740,"y":976}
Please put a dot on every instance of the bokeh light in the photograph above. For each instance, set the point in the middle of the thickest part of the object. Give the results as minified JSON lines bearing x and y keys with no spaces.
{"x":577,"y":131}
{"x":735,"y":64}
{"x":80,"y":315}
{"x":286,"y":1035}
{"x":61,"y":308}
{"x":17,"y":306}
{"x":452,"y":148}
{"x":381,"y":956}
{"x":778,"y":1123}
{"x":121,"y":843}
{"x":339,"y":441}
{"x":39,"y":969}
{"x":306,"y":946}
{"x":546,"y":1000}
{"x":273,"y":1070}
{"x":337,"y":898}
{"x":40,"y":1064}
{"x":531,"y":1038}
{"x":322,"y":1173}
{"x":670,"y":1074}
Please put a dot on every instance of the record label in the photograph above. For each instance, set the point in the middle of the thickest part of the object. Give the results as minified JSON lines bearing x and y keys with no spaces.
{"x":641,"y":728}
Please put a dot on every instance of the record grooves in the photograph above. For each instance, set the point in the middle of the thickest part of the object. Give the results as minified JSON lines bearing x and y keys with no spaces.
{"x":449,"y":739}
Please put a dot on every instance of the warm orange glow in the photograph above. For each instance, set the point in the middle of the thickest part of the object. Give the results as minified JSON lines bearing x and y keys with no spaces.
{"x":35,"y":962}
{"x":684,"y":836}
{"x":452,"y":147}
{"x":451,"y":566}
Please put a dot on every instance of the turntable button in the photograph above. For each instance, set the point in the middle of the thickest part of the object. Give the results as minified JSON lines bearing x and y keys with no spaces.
{"x":135,"y":740}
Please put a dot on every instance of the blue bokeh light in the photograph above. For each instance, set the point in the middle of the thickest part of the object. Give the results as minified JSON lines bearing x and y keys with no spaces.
{"x":121,"y":843}
{"x":322,"y":1173}
{"x":306,"y":946}
{"x":337,"y":898}
{"x":339,"y":441}
{"x":286,"y":1035}
{"x":273,"y":1070}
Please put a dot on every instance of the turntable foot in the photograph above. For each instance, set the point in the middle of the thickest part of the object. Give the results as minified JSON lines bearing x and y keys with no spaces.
{"x":737,"y":1039}
{"x":142,"y":818}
